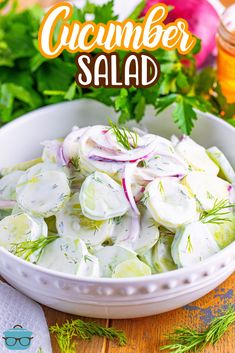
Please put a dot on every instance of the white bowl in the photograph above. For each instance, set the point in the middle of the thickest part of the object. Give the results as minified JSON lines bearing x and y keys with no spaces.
{"x":109,"y":298}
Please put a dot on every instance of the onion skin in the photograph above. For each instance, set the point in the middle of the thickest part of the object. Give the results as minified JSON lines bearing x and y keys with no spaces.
{"x":202,"y":18}
{"x":126,"y":184}
{"x":7,"y":204}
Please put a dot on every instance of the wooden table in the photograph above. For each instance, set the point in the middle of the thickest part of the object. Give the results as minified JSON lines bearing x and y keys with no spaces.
{"x":146,"y":335}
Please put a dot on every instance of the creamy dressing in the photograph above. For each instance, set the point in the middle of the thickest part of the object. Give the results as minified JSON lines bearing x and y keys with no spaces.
{"x":118,"y":203}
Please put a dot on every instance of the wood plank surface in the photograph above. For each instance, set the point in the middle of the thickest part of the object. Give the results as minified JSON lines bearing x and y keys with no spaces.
{"x":146,"y":335}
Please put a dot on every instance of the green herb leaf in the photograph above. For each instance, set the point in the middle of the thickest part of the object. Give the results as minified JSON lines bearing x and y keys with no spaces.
{"x":184,"y":115}
{"x":85,"y":221}
{"x":66,"y":333}
{"x":135,"y":15}
{"x":186,"y":339}
{"x":50,"y":81}
{"x":219,"y":214}
{"x":104,"y":13}
{"x":124,"y":136}
{"x":27,"y":248}
{"x":3,"y":3}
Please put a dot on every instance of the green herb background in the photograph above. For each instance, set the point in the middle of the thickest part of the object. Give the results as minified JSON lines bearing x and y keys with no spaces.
{"x":29,"y":81}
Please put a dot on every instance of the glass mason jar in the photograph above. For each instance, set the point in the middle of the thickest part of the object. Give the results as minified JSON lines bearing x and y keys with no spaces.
{"x":226,"y":53}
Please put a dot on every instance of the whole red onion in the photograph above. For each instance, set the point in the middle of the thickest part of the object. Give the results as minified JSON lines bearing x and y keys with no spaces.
{"x":202,"y":18}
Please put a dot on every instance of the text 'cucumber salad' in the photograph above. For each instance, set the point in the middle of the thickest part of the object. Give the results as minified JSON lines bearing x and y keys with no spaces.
{"x":107,"y":201}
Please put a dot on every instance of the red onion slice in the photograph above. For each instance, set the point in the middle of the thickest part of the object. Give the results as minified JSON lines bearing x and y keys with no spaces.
{"x":126,"y":183}
{"x":231,"y":190}
{"x":7,"y":204}
{"x":70,"y":149}
{"x":133,"y":228}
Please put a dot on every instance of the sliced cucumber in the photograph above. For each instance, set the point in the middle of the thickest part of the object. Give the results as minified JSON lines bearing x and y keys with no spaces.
{"x":45,"y":167}
{"x":51,"y":150}
{"x":67,"y":220}
{"x":71,"y":222}
{"x":62,"y":255}
{"x":20,"y":166}
{"x":8,"y":185}
{"x":207,"y":188}
{"x":169,"y":203}
{"x":68,"y":256}
{"x":102,"y":198}
{"x":111,"y":256}
{"x":131,"y":268}
{"x":126,"y":229}
{"x":134,"y":232}
{"x":147,"y":258}
{"x":149,"y":234}
{"x":43,"y":194}
{"x":224,"y":234}
{"x":196,"y":156}
{"x":161,"y":254}
{"x":192,"y":244}
{"x":222,"y":162}
{"x":15,"y":229}
{"x":88,"y":265}
{"x":164,"y":166}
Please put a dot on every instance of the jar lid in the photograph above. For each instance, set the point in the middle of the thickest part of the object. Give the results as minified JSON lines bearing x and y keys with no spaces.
{"x":227,"y":25}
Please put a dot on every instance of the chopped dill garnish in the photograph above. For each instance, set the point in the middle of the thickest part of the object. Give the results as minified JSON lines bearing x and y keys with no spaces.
{"x":88,"y":258}
{"x":66,"y":334}
{"x":85,"y":221}
{"x":142,"y":164}
{"x":165,"y":232}
{"x":117,"y":220}
{"x":152,"y":223}
{"x":144,"y":198}
{"x":161,"y":188}
{"x":124,"y":136}
{"x":107,"y":242}
{"x":218,"y":214}
{"x":75,"y":162}
{"x":26,"y":248}
{"x":186,"y":339}
{"x":189,"y":245}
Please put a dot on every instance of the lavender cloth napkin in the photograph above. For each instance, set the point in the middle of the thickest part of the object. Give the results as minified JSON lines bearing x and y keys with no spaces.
{"x":17,"y":309}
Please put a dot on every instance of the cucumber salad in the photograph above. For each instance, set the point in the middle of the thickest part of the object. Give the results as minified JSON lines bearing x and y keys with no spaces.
{"x":107,"y":201}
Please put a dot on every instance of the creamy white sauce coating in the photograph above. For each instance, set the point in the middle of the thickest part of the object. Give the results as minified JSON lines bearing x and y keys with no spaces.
{"x":119,"y":203}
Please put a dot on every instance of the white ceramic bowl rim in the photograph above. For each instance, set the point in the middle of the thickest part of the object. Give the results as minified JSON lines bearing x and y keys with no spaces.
{"x":165,"y":275}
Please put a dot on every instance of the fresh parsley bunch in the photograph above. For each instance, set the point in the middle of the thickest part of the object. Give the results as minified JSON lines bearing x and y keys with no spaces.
{"x":29,"y":81}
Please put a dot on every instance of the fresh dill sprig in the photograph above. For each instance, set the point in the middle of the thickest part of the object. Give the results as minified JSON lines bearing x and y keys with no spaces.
{"x":75,"y":162}
{"x":161,"y":188}
{"x":165,"y":232}
{"x":117,"y":220}
{"x":186,"y":339}
{"x":144,"y":198}
{"x":26,"y":248}
{"x":189,"y":245}
{"x":219,"y":213}
{"x":66,"y":333}
{"x":124,"y":136}
{"x":85,"y":221}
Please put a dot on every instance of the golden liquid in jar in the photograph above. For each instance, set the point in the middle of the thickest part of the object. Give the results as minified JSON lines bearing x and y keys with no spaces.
{"x":226,"y":71}
{"x":226,"y":53}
